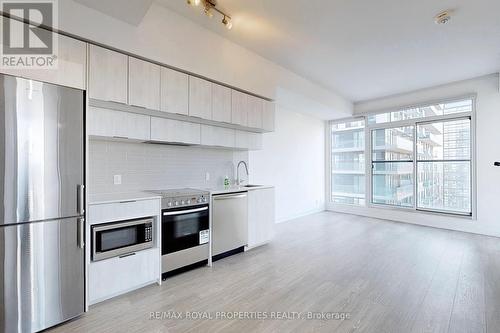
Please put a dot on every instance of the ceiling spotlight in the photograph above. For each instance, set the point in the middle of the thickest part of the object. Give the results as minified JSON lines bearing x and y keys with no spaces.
{"x":194,"y":2}
{"x":227,"y":22}
{"x":443,"y":17}
{"x":208,"y":11}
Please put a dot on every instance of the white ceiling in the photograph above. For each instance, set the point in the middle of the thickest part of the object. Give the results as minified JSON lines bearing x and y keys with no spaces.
{"x":364,"y":49}
{"x":128,"y":11}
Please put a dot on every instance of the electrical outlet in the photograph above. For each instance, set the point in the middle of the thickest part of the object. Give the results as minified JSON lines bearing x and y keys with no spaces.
{"x":117,"y":179}
{"x":207,"y":176}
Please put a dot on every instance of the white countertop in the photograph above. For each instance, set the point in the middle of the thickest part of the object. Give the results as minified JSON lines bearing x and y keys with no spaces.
{"x":97,"y":199}
{"x":234,"y":189}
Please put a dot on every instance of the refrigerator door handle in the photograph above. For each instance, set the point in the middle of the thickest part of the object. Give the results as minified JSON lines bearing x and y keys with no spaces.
{"x":81,"y":232}
{"x":80,"y":204}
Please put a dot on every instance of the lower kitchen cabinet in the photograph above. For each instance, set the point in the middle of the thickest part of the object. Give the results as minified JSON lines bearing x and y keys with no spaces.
{"x":217,"y":136}
{"x":111,"y":277}
{"x":168,"y":130}
{"x":260,"y":216}
{"x":118,"y":124}
{"x":115,"y":276}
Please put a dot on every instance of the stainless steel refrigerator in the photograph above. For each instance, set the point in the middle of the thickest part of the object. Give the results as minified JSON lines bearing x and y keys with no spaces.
{"x":41,"y":204}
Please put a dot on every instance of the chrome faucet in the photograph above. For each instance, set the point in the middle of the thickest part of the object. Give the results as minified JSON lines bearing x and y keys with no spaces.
{"x":238,"y":180}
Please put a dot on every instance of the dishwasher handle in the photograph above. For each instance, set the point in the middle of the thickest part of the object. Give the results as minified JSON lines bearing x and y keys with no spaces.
{"x":230,"y":196}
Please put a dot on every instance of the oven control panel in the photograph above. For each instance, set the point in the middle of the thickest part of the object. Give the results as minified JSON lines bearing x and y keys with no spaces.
{"x":184,"y":201}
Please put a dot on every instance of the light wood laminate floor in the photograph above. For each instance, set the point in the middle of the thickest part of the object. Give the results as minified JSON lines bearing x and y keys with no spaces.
{"x":390,"y":277}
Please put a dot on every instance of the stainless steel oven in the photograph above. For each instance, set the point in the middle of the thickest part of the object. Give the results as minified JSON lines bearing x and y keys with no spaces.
{"x":120,"y":238}
{"x":184,"y":228}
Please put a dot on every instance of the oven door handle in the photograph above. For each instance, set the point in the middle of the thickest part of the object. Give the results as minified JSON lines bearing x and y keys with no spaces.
{"x":185,"y":211}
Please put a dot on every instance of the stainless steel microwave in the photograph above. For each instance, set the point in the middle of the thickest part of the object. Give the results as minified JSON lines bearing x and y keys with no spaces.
{"x":121,"y":238}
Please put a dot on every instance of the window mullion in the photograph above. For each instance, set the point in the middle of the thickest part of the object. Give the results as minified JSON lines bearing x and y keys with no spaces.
{"x":415,"y":168}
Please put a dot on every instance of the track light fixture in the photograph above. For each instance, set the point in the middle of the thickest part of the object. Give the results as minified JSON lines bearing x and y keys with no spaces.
{"x":209,"y":7}
{"x":227,"y":22}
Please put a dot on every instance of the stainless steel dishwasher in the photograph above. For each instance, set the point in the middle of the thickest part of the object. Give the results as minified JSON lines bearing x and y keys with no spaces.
{"x":229,"y":222}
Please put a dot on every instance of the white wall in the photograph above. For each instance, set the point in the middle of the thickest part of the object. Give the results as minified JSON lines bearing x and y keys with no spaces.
{"x":487,"y":151}
{"x":171,"y":39}
{"x":293,"y":159}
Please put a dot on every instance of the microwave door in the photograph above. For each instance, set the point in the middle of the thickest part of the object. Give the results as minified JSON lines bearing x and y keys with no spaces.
{"x":41,"y":150}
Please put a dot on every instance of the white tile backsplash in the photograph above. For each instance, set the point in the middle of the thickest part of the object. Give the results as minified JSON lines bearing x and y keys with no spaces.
{"x":150,"y":166}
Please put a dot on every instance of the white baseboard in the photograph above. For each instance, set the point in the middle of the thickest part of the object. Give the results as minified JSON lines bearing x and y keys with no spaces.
{"x":296,"y":216}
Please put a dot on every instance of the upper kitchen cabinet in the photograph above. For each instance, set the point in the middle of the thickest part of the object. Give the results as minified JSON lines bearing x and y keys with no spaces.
{"x":117,"y":124}
{"x":217,"y":136}
{"x":239,"y":108}
{"x":169,"y":130}
{"x":200,"y":98}
{"x":70,"y":67}
{"x":269,"y":113}
{"x":255,"y":110}
{"x":248,"y":140}
{"x":174,"y":91}
{"x":143,"y":84}
{"x":108,"y":75}
{"x":221,"y":103}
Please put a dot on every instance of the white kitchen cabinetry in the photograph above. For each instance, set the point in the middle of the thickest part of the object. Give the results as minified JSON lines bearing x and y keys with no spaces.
{"x":221,"y":103}
{"x":111,"y":277}
{"x":255,"y":109}
{"x":269,"y":113}
{"x":217,"y":136}
{"x":200,"y":98}
{"x":168,"y":130}
{"x":144,"y":84}
{"x":260,"y":216}
{"x":174,"y":91}
{"x":239,"y":108}
{"x":108,"y":78}
{"x":248,"y":140}
{"x":116,"y":276}
{"x":71,"y":65}
{"x":118,"y":124}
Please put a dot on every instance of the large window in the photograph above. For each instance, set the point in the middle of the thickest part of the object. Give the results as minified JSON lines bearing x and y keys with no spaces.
{"x":419,"y":158}
{"x":444,"y":166}
{"x":348,"y":162}
{"x":392,"y":166}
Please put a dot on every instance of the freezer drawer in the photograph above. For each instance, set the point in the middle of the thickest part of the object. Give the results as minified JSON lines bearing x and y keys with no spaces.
{"x":42,"y":274}
{"x":229,"y":222}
